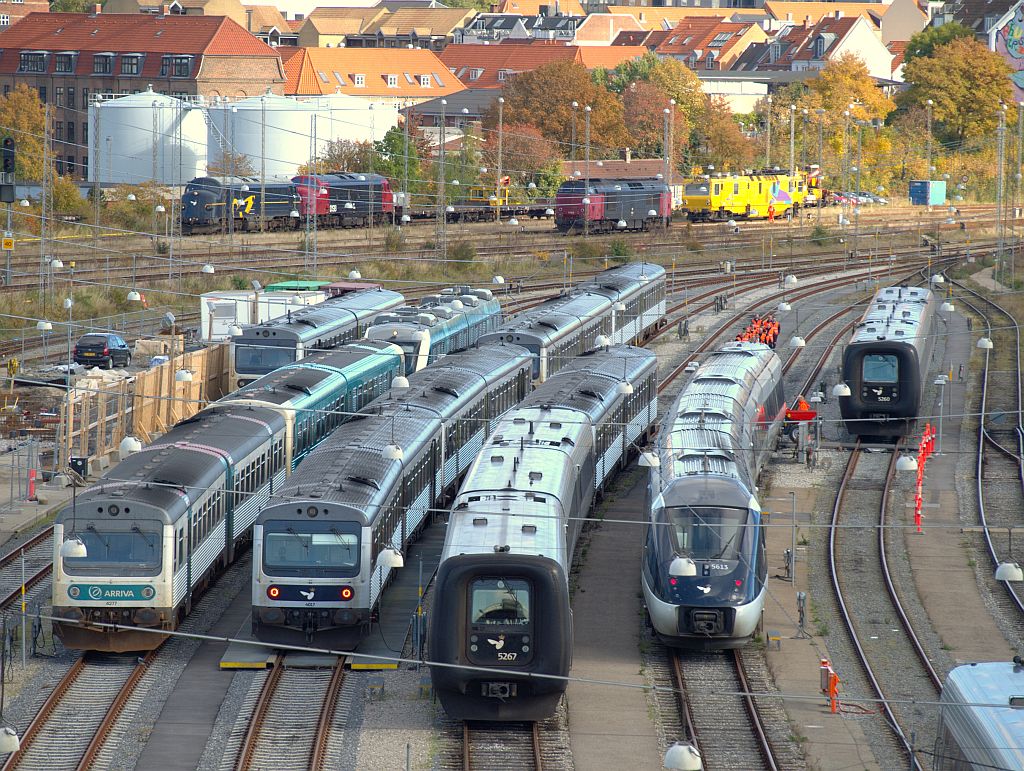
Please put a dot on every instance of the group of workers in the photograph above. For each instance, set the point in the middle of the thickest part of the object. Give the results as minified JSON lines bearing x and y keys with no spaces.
{"x":761,"y":330}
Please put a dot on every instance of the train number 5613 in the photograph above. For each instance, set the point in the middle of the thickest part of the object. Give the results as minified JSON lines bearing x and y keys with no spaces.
{"x":507,"y":656}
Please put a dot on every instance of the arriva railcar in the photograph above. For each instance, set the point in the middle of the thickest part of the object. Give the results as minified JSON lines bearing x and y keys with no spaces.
{"x":704,"y":563}
{"x":439,"y":325}
{"x":501,"y":611}
{"x":625,"y":304}
{"x":886,"y":362}
{"x":159,"y":525}
{"x":322,"y":545}
{"x":262,"y":348}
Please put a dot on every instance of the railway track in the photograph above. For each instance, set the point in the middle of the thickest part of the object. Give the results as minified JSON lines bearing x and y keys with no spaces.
{"x":74,"y":721}
{"x":293,"y":719}
{"x":501,"y":747}
{"x":886,"y":644}
{"x":999,"y":468}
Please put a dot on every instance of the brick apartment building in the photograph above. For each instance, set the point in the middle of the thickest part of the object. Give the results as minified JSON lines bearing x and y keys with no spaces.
{"x":69,"y":58}
{"x":13,"y":11}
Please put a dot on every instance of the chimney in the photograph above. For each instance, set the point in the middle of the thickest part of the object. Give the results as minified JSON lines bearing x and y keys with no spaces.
{"x":839,"y":14}
{"x":629,"y":155}
{"x":789,"y":16}
{"x":97,"y":9}
{"x":248,"y":19}
{"x":165,"y":10}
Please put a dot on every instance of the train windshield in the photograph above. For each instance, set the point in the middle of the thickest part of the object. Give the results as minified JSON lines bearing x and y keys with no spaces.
{"x":709,"y":532}
{"x":499,"y":602}
{"x":697,"y":189}
{"x":308,"y":548}
{"x":880,"y":368}
{"x":262,"y":359}
{"x":132,"y":551}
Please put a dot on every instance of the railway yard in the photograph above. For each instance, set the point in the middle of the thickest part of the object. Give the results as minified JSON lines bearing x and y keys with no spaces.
{"x":861,"y":612}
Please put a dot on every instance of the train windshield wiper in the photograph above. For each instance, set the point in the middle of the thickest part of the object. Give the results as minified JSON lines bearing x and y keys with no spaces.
{"x":299,"y":538}
{"x":724,"y":547}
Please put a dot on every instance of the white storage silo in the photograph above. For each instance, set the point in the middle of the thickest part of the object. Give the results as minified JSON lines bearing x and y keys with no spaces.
{"x":146,"y":136}
{"x":352,"y":118}
{"x":275,"y":127}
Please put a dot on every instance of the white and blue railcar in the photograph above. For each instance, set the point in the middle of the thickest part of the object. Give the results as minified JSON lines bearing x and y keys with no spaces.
{"x":162,"y":522}
{"x":441,"y":324}
{"x":704,"y":562}
{"x":322,"y":545}
{"x":625,"y":304}
{"x":263,"y":348}
{"x":501,"y":597}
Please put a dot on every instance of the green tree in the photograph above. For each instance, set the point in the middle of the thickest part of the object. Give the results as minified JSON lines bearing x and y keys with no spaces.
{"x":22,"y":116}
{"x":966,"y":83}
{"x":389,"y":158}
{"x":845,"y":81}
{"x":927,"y":40}
{"x":231,"y":163}
{"x":543,"y":98}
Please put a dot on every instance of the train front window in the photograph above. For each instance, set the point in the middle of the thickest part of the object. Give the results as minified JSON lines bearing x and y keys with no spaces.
{"x":880,"y":368}
{"x":499,"y":602}
{"x":262,"y":359}
{"x":132,"y":549}
{"x":311,"y":548}
{"x":709,"y":533}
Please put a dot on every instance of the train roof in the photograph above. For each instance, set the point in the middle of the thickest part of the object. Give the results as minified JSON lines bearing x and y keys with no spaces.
{"x":590,"y":382}
{"x":896,"y":313}
{"x":706,"y":427}
{"x":445,"y":386}
{"x":186,"y":458}
{"x":308,"y":318}
{"x":299,"y":379}
{"x":420,"y":317}
{"x":991,"y":736}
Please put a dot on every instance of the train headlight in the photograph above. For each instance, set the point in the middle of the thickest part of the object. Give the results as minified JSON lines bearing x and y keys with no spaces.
{"x":148,"y":592}
{"x":312,"y":511}
{"x":273,"y":592}
{"x":347,"y":593}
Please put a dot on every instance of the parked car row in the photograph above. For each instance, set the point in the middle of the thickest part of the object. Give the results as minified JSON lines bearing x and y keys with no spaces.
{"x":857,"y":199}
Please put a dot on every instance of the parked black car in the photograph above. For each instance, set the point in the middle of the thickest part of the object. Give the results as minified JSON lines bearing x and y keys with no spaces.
{"x":101,"y":348}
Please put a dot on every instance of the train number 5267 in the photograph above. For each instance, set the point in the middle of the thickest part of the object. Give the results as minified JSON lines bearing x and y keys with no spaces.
{"x":506,"y":656}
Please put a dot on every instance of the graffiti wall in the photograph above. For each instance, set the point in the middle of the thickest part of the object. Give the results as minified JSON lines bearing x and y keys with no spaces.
{"x":1008,"y":41}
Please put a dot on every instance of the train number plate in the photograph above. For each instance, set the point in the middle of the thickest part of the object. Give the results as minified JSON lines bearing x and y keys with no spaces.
{"x":881,"y":394}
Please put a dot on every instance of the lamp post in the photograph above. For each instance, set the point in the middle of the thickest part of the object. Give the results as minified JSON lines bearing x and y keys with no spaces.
{"x":442,"y":216}
{"x":65,"y":443}
{"x":501,"y":141}
{"x":941,"y":381}
{"x":1000,"y":166}
{"x":803,"y":137}
{"x":821,"y":158}
{"x":928,"y":108}
{"x":768,"y":140}
{"x":586,"y":129}
{"x":792,"y":139}
{"x":572,"y":145}
{"x":671,"y":141}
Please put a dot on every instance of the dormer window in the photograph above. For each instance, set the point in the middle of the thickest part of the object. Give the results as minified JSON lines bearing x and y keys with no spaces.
{"x":475,"y":73}
{"x":774,"y":52}
{"x":103,"y":64}
{"x":709,"y":62}
{"x":33,"y":62}
{"x":64,"y":63}
{"x":175,"y":66}
{"x":424,"y":81}
{"x":819,"y":47}
{"x":359,"y":81}
{"x":131,"y":64}
{"x":392,"y":81}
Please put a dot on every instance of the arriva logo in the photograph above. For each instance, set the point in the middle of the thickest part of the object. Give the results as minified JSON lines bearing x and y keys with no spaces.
{"x":106,"y":593}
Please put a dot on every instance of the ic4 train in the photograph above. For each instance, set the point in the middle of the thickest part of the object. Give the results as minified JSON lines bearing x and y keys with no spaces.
{"x":323,"y":546}
{"x":501,"y":611}
{"x":159,"y":525}
{"x":886,"y":362}
{"x":704,"y":563}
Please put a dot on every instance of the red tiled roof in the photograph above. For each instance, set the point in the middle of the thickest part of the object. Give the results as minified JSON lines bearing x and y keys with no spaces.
{"x":512,"y":58}
{"x":829,"y":25}
{"x":898,"y":49}
{"x":127,"y":33}
{"x":315,"y":71}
